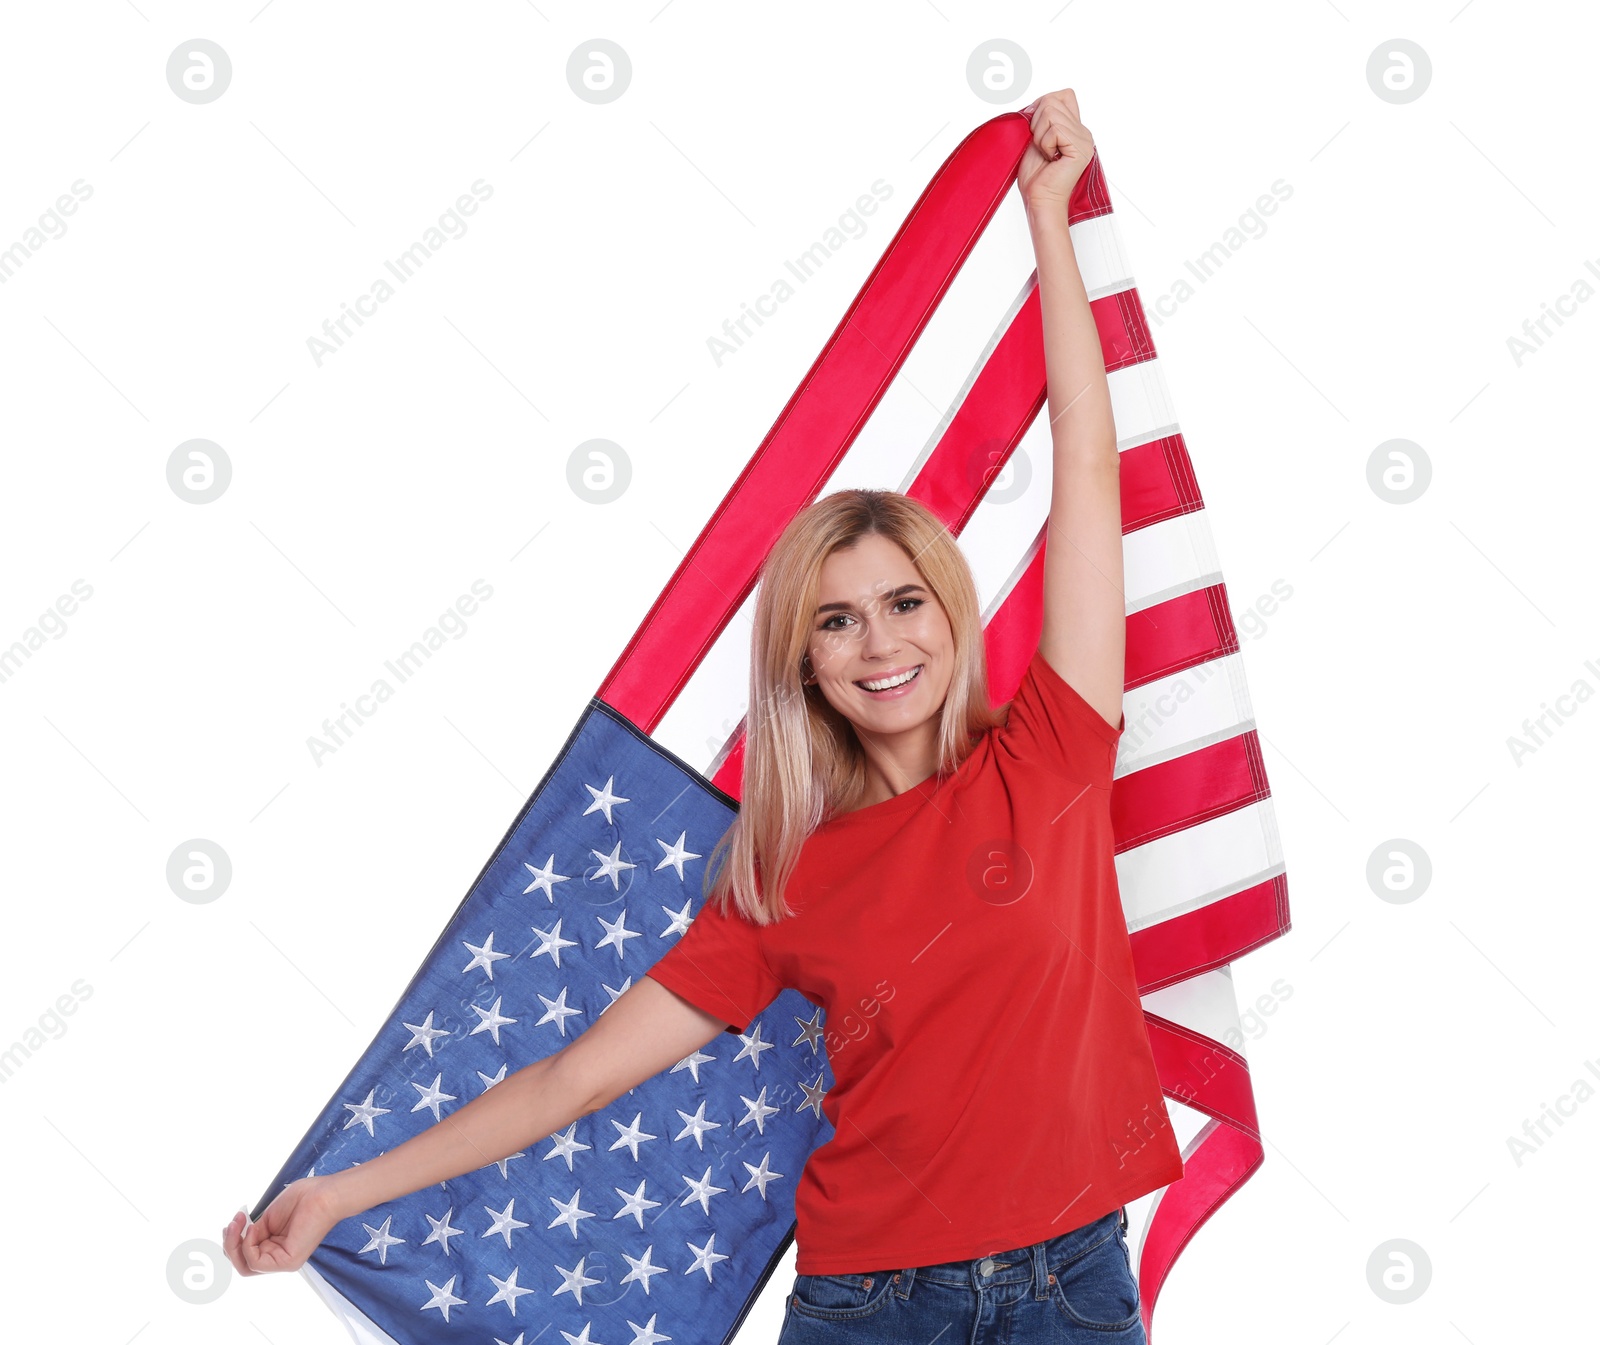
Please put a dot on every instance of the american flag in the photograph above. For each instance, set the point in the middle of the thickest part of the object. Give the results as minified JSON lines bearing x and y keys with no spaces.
{"x":663,"y":1216}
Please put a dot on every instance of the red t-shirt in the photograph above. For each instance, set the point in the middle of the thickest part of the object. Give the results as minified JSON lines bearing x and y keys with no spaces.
{"x":993,"y":1079}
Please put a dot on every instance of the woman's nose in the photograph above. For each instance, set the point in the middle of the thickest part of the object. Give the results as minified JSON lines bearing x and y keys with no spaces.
{"x":877,"y":641}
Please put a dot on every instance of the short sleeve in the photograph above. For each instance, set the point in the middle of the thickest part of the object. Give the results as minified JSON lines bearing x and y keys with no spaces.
{"x":717,"y":965}
{"x":1052,"y":725}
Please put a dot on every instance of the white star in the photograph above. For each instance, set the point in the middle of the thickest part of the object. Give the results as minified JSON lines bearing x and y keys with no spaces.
{"x":680,"y":921}
{"x":646,"y":1334}
{"x":642,"y":1269}
{"x":760,"y":1176}
{"x":614,"y":995}
{"x":363,"y":1113}
{"x":507,"y":1291}
{"x":490,"y":1020}
{"x":692,"y":1063}
{"x":550,"y":941}
{"x":814,"y":1093}
{"x":517,"y":1341}
{"x":544,"y":878}
{"x":696,"y":1125}
{"x":501,"y":1162}
{"x":702,"y":1191}
{"x":759,"y":1110}
{"x":443,"y":1299}
{"x":422,"y":1034}
{"x":504,"y":1221}
{"x":570,"y":1213}
{"x":810,"y":1030}
{"x":603,"y":799}
{"x":635,"y":1204}
{"x":381,"y":1241}
{"x":676,"y":854}
{"x":490,"y":1080}
{"x":617,"y":933}
{"x":704,"y":1257}
{"x":566,"y":1145}
{"x":556,"y":1011}
{"x":442,"y":1232}
{"x":574,"y":1281}
{"x":751,"y":1045}
{"x":431,"y":1096}
{"x":630,"y":1135}
{"x":582,"y":1338}
{"x":483,"y":956}
{"x":610,"y":866}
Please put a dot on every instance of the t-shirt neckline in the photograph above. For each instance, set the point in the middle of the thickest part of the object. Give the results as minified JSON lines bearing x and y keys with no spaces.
{"x":921,"y":792}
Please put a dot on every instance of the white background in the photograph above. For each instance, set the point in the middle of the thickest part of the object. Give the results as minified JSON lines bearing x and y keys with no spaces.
{"x":429,"y":452}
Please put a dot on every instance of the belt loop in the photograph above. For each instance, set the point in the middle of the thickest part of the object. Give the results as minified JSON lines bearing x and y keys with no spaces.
{"x":1122,"y":1218}
{"x":1041,"y":1269}
{"x":903,"y":1280}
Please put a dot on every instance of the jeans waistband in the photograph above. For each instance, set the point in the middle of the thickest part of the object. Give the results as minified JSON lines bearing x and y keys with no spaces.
{"x":1019,"y":1265}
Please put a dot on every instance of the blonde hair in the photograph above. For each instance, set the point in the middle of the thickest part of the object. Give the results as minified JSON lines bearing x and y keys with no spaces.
{"x":803,"y":761}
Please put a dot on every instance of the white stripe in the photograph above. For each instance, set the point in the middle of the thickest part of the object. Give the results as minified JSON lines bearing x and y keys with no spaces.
{"x":702,"y":722}
{"x":1168,"y":559}
{"x":1207,"y":1004}
{"x":1004,"y":530}
{"x":1187,"y":1122}
{"x":1142,"y":1213}
{"x":946,"y":360}
{"x":1198,"y":865}
{"x":1140,"y":404}
{"x":1174,"y":715}
{"x":1102,"y":260}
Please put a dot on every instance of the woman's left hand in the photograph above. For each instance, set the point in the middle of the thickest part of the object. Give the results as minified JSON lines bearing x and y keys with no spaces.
{"x":1059,"y":152}
{"x":290,"y":1229}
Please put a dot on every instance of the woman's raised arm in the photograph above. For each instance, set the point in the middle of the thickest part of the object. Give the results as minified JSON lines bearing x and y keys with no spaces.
{"x":1084,"y":633}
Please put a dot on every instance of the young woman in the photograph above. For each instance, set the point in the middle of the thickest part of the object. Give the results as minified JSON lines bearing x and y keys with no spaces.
{"x":938,"y":876}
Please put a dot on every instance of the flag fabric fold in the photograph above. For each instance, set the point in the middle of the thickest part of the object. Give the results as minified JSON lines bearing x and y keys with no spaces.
{"x":663,"y":1215}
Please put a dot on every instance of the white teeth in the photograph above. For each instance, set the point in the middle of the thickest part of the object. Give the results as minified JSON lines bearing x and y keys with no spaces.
{"x":886,"y":683}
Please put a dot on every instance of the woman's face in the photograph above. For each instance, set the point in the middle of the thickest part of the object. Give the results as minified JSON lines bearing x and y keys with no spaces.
{"x":875,"y":621}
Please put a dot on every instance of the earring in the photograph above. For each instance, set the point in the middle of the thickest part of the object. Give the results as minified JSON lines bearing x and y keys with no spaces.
{"x":809,"y":676}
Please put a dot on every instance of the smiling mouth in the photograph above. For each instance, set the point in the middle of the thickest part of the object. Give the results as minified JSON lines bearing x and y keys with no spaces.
{"x":899,"y":685}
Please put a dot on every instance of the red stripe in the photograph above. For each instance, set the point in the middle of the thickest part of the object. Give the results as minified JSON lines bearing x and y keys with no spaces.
{"x":1158,"y":483}
{"x":985,"y":429}
{"x":1124,"y":334}
{"x":1183,"y":632}
{"x":1215,"y":934}
{"x":1013,"y":631}
{"x":1159,"y":800}
{"x":1220,"y":1161}
{"x":1202,"y":1073}
{"x":1091,"y":197}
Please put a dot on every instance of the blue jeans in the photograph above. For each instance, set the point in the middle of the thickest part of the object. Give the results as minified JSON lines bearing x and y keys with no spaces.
{"x":1074,"y":1288}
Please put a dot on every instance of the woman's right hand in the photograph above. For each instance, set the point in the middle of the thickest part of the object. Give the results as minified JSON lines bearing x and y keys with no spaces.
{"x":289,"y":1230}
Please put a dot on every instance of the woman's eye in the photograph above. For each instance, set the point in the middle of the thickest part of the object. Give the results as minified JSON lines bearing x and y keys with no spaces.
{"x":914,"y":602}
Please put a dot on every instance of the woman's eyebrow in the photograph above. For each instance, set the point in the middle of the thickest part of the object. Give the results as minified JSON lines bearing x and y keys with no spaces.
{"x":894,"y":595}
